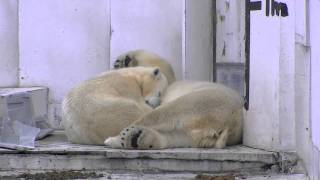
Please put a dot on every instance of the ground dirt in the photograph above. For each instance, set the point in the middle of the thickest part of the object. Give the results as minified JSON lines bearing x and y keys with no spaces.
{"x":59,"y":175}
{"x":209,"y":177}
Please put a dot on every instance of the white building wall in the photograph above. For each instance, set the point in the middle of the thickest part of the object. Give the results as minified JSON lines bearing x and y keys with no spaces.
{"x":179,"y":30}
{"x":199,"y":44}
{"x":307,"y":85}
{"x":62,"y":43}
{"x":9,"y":52}
{"x":65,"y":42}
{"x":154,"y":25}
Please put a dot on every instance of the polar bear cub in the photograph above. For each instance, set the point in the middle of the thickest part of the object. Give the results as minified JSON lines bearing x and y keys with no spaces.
{"x":146,"y":59}
{"x":192,"y":114}
{"x":102,"y":106}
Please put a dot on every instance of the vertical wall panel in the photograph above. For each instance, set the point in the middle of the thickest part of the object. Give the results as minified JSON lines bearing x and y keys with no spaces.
{"x":230,"y":43}
{"x":62,"y":43}
{"x":301,"y":24}
{"x":315,"y":69}
{"x":199,"y":40}
{"x":271,"y":114}
{"x":154,"y":25}
{"x":315,"y":81}
{"x":263,"y":115}
{"x":230,"y":31}
{"x":302,"y":105}
{"x":9,"y":54}
{"x":287,"y":78}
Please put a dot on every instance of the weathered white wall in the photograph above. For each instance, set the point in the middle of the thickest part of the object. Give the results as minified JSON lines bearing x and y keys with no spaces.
{"x":154,"y":25}
{"x":302,"y":104}
{"x":301,"y":18}
{"x":230,"y":43}
{"x":270,"y":116}
{"x":264,"y":102}
{"x":315,"y":71}
{"x":9,"y":53}
{"x":307,"y":85}
{"x":179,"y":30}
{"x":62,"y":43}
{"x":315,"y":84}
{"x":230,"y":31}
{"x":302,"y":86}
{"x":65,"y":42}
{"x":286,"y":79}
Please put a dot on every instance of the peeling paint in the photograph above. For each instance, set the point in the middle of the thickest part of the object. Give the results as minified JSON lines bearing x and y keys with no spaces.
{"x":222,"y":17}
{"x":227,"y":5}
{"x":224,"y":49}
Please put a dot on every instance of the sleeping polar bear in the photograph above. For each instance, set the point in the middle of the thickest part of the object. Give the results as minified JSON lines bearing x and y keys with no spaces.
{"x":192,"y":114}
{"x":102,"y":106}
{"x":146,"y":59}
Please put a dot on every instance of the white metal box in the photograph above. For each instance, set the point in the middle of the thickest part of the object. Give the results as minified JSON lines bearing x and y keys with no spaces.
{"x":23,"y":116}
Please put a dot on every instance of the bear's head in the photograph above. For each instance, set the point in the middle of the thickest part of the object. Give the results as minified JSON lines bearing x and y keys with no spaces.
{"x":153,"y":85}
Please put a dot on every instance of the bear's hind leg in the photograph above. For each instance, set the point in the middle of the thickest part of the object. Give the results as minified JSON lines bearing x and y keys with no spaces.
{"x":210,"y":138}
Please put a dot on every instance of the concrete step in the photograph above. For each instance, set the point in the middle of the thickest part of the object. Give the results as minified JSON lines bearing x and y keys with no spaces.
{"x":104,"y":175}
{"x":55,"y":153}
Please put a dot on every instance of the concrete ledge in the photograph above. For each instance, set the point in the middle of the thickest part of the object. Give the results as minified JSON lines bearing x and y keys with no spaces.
{"x":55,"y":153}
{"x":99,"y":162}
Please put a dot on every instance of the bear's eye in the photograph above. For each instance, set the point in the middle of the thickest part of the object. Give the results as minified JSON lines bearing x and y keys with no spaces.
{"x":159,"y":94}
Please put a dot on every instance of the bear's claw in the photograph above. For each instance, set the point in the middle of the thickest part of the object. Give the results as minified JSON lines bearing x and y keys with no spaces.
{"x":135,"y":137}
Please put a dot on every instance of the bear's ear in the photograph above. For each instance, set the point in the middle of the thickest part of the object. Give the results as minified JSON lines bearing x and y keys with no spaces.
{"x":156,"y":72}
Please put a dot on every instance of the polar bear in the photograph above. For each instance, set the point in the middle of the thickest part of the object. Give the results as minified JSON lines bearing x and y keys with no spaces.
{"x":102,"y":106}
{"x":192,"y":114}
{"x":147,"y":59}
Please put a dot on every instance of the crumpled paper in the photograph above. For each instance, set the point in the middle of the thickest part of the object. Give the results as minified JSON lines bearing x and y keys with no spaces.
{"x":16,"y":135}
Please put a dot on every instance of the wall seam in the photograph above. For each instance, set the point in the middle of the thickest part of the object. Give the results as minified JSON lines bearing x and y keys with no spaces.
{"x":184,"y":32}
{"x":18,"y":44}
{"x":110,"y":34}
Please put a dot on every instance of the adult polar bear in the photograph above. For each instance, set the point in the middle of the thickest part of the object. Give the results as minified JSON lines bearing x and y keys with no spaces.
{"x":102,"y":106}
{"x":192,"y":114}
{"x":203,"y":115}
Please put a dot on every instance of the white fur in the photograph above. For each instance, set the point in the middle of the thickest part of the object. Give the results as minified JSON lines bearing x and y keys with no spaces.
{"x":102,"y":106}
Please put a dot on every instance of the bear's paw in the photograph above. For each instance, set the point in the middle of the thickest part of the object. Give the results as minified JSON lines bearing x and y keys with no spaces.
{"x":136,"y":137}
